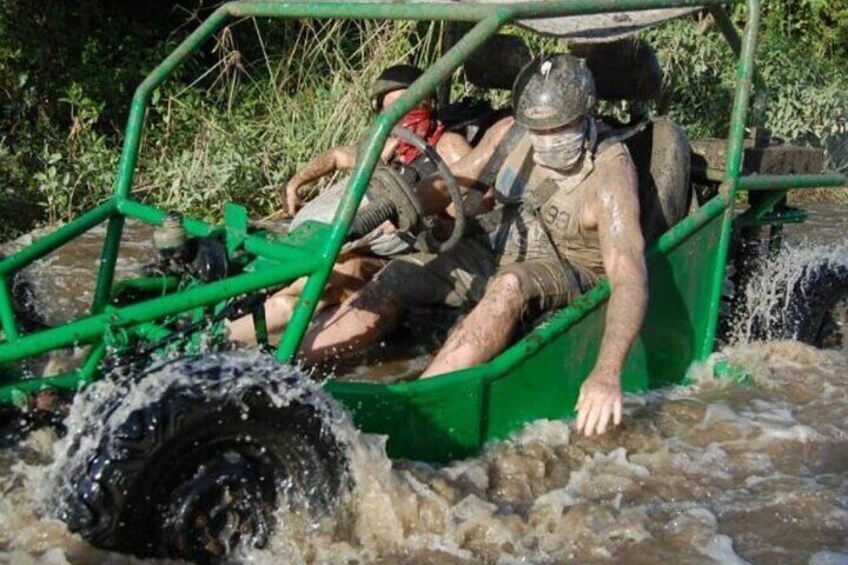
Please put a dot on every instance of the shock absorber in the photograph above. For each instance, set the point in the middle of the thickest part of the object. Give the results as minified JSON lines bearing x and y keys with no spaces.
{"x":371,"y":216}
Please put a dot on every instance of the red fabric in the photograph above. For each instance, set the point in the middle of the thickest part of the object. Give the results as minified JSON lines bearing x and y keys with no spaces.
{"x":422,"y":123}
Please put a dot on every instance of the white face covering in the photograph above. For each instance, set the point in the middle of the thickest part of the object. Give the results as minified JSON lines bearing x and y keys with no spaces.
{"x":560,"y":149}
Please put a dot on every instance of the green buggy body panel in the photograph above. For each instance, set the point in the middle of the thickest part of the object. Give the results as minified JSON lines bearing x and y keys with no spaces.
{"x":454,"y":415}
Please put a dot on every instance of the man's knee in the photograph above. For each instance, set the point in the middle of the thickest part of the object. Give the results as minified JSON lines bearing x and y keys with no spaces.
{"x":506,"y":287}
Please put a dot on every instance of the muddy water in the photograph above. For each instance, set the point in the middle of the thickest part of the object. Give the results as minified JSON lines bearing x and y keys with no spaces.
{"x":712,"y":472}
{"x":64,"y":281}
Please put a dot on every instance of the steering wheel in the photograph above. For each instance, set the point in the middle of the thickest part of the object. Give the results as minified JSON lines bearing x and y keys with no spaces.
{"x":392,"y":198}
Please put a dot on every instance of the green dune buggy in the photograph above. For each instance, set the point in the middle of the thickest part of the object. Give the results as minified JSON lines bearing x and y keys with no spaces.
{"x":190,"y":457}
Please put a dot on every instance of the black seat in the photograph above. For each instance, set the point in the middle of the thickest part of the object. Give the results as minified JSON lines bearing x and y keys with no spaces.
{"x":493,"y":66}
{"x":662,"y":156}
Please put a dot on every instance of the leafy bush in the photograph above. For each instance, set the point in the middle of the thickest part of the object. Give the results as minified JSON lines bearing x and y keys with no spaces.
{"x":67,"y":71}
{"x":806,"y":101}
{"x":242,"y":136}
{"x":266,"y":96}
{"x":819,"y":27}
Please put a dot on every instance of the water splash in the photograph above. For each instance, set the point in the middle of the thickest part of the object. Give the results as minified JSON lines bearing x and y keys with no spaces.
{"x":712,"y":472}
{"x":770,"y":299}
{"x":115,"y":408}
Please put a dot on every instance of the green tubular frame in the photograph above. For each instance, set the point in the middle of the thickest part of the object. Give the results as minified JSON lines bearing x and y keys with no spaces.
{"x":735,"y":149}
{"x":313,"y":254}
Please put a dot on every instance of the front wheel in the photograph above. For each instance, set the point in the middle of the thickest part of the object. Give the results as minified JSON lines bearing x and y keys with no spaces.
{"x":192,"y":461}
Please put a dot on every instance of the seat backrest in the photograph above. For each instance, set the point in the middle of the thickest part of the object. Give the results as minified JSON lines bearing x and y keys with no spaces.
{"x":497,"y":62}
{"x":662,"y":156}
{"x":626,"y":69}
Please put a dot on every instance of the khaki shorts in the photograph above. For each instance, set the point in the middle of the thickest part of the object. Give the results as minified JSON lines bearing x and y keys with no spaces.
{"x":517,"y":245}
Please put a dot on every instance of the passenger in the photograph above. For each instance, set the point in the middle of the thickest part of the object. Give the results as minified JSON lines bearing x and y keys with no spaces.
{"x":357,"y":265}
{"x":568,"y":214}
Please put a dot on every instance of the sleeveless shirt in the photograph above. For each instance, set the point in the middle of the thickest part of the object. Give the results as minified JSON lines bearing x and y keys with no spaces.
{"x":558,"y":200}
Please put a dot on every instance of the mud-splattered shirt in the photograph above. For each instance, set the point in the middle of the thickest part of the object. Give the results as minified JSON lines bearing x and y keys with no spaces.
{"x":560,"y":200}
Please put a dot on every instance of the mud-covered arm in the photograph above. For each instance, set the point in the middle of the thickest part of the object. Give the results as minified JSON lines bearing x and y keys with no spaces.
{"x":433,"y":192}
{"x":336,"y":159}
{"x":341,"y":158}
{"x":623,"y":252}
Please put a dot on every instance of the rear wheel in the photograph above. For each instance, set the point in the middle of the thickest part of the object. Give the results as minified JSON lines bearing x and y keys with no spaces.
{"x":811,"y":306}
{"x":818,"y":307}
{"x":193,"y":461}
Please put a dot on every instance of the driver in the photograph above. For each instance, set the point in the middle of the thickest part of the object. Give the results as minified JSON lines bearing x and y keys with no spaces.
{"x":356,"y":266}
{"x":568,"y":214}
{"x":388,"y":87}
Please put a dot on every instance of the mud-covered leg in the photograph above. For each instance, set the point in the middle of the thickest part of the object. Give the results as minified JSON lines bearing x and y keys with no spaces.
{"x":406,"y":282}
{"x":485,"y":331}
{"x":359,"y":322}
{"x":348,"y":276}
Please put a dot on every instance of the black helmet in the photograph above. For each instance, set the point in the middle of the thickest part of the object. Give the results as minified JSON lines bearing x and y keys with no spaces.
{"x":391,"y":79}
{"x":552,"y":91}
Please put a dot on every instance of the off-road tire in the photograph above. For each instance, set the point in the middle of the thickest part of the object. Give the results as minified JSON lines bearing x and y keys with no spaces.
{"x":816,"y":307}
{"x":24,"y":302}
{"x":200,"y":468}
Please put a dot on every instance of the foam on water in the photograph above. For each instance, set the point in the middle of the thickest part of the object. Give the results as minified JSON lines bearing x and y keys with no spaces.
{"x":711,"y":472}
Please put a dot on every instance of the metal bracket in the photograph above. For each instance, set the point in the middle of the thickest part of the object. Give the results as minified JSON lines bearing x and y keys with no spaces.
{"x":236,"y":220}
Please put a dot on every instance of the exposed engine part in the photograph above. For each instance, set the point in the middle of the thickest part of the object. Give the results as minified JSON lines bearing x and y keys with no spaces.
{"x":393,"y":198}
{"x":210,"y":261}
{"x":204,"y":258}
{"x":235,"y":309}
{"x":170,"y":238}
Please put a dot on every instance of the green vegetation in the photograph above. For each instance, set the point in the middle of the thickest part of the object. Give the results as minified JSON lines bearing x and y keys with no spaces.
{"x":242,"y":136}
{"x":806,"y":96}
{"x":237,"y":121}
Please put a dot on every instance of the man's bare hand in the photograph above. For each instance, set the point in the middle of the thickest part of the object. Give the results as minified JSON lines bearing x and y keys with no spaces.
{"x":599,"y":401}
{"x":293,"y":200}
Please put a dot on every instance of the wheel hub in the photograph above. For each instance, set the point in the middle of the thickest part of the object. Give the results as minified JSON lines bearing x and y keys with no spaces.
{"x":223,"y":505}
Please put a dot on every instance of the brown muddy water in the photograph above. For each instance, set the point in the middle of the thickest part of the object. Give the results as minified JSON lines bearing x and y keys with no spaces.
{"x":712,"y":472}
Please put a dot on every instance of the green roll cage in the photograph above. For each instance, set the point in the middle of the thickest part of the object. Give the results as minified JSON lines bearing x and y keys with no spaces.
{"x":311,"y":251}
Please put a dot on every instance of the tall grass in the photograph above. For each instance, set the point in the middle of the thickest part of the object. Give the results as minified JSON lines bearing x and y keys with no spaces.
{"x":240,"y":120}
{"x":242,"y":130}
{"x":277,"y":94}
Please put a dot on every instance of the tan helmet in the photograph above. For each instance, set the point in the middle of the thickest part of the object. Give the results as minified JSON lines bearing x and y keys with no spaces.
{"x":552,"y":91}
